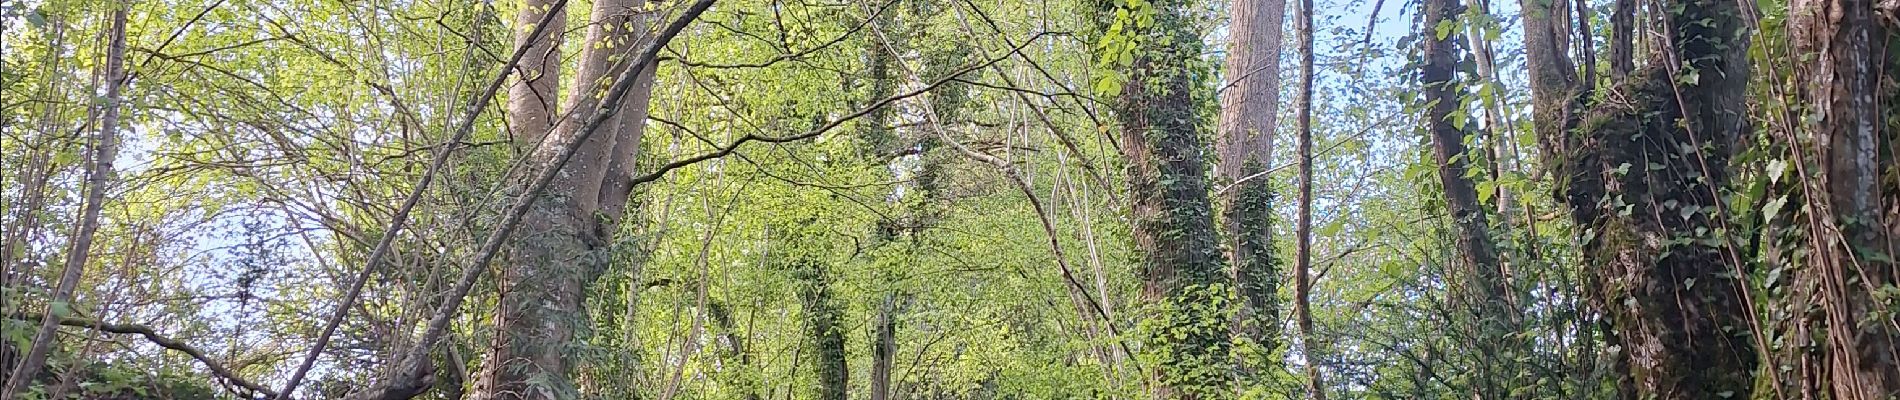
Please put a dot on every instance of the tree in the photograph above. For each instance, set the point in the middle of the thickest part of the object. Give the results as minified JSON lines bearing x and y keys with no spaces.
{"x":1482,"y":291}
{"x":917,"y":199}
{"x":566,"y":239}
{"x":1303,"y":250}
{"x":1643,"y":179}
{"x":824,"y":327}
{"x":1152,"y":47}
{"x":99,"y":177}
{"x":1249,"y":119}
{"x":1852,"y":225}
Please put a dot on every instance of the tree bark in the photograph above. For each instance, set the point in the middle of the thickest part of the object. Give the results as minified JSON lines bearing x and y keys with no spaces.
{"x":824,"y":327}
{"x":1303,"y":251}
{"x":521,"y":350}
{"x":1249,"y":119}
{"x":37,"y":170}
{"x":884,"y":347}
{"x":414,"y":371}
{"x":1183,"y":278}
{"x":1843,"y":124}
{"x":1648,"y":208}
{"x":1553,"y":77}
{"x":105,"y":148}
{"x":1483,"y":289}
{"x":565,"y":239}
{"x":1643,"y":177}
{"x":1623,"y":38}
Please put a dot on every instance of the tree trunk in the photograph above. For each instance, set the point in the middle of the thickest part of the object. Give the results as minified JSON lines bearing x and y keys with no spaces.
{"x":1181,"y":264}
{"x":563,"y":246}
{"x":883,"y":348}
{"x":521,"y":350}
{"x":1303,"y":251}
{"x":1553,"y":77}
{"x":38,"y":169}
{"x":1249,"y":118}
{"x":105,"y":147}
{"x":1643,"y":177}
{"x":1622,"y":39}
{"x":824,"y":327}
{"x":1483,"y":290}
{"x":1843,"y":123}
{"x":733,"y":349}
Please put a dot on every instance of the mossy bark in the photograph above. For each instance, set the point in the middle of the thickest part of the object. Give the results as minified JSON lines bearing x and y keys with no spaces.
{"x":1645,"y":190}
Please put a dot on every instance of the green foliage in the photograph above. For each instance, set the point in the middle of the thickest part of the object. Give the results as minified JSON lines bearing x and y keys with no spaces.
{"x":270,"y":142}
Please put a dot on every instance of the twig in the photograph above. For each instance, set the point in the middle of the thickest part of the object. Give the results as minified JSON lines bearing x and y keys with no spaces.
{"x":1328,"y":149}
{"x":376,"y":256}
{"x":787,"y":56}
{"x":729,"y":148}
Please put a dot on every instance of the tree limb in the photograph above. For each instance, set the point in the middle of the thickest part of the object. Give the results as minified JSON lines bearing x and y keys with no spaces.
{"x":162,"y":341}
{"x":376,"y":256}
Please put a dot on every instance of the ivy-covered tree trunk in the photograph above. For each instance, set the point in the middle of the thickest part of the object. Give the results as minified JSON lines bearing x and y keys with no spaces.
{"x":1183,"y":277}
{"x":824,"y":327}
{"x":1249,"y":117}
{"x":1644,"y":177}
{"x":1852,"y":203}
{"x":1482,"y":289}
{"x":564,"y":241}
{"x":733,"y":349}
{"x":1558,"y":104}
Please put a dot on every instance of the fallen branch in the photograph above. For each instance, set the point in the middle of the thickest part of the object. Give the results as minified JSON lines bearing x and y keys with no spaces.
{"x":162,"y":341}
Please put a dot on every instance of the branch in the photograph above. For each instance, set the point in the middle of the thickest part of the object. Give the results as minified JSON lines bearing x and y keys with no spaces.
{"x":160,"y":340}
{"x":416,"y":371}
{"x":376,"y":256}
{"x":1015,"y":176}
{"x":1328,"y":149}
{"x":729,"y":148}
{"x":787,"y":56}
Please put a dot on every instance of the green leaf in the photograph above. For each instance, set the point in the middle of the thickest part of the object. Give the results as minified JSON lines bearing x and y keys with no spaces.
{"x":1773,"y":208}
{"x":1445,"y":28}
{"x":1776,"y":169}
{"x":36,"y":18}
{"x":1689,"y":76}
